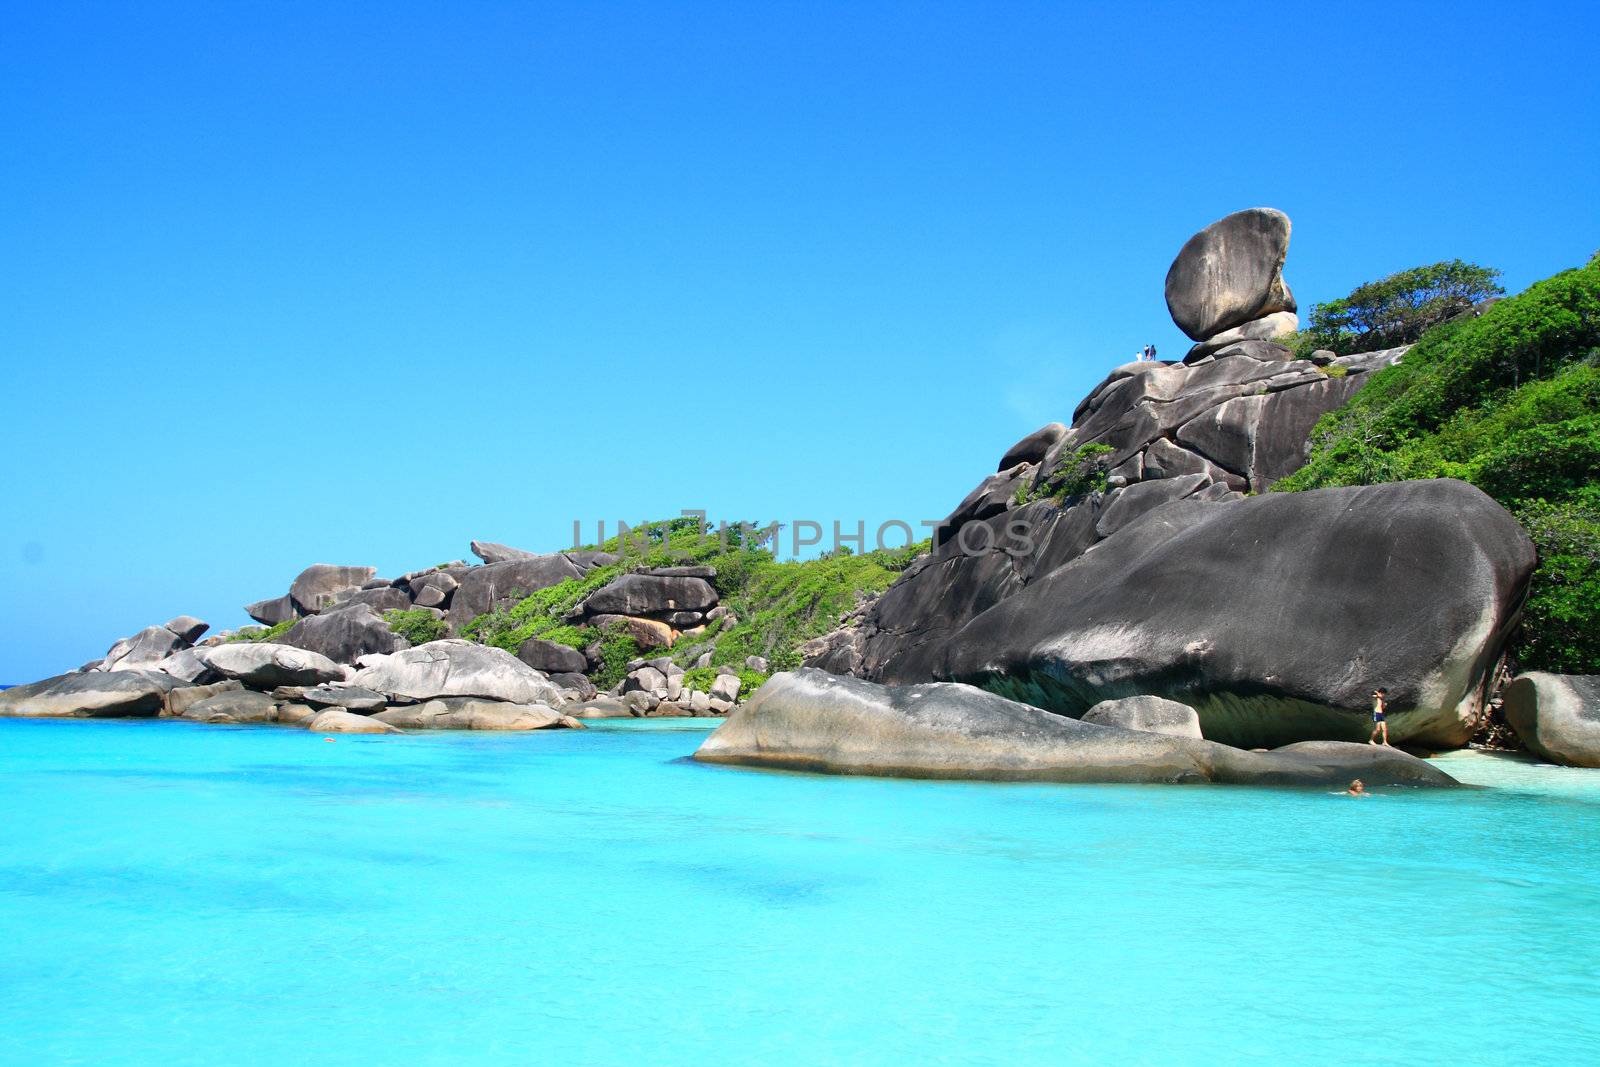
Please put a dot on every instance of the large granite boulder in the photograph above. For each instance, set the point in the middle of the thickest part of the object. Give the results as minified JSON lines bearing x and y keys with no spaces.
{"x":345,"y":634}
{"x":492,"y":552}
{"x":185,"y":697}
{"x":1275,"y":616}
{"x":320,"y":584}
{"x":348,"y":697}
{"x":338,"y":721}
{"x":143,"y":650}
{"x":650,"y":594}
{"x":95,"y":695}
{"x":1034,"y":447}
{"x":187,"y":665}
{"x":272,"y":612}
{"x":455,"y":668}
{"x":552,"y":657}
{"x":187,"y":627}
{"x":1147,"y":714}
{"x":810,"y":720}
{"x":433,"y":590}
{"x":267,"y":664}
{"x":239,"y":706}
{"x":385,"y":598}
{"x":1230,"y":273}
{"x":501,"y":585}
{"x":1267,"y":329}
{"x":470,"y":713}
{"x":646,"y":633}
{"x":1557,"y":716}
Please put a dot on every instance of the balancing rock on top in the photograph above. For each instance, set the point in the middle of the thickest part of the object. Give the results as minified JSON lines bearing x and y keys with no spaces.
{"x":1231,"y":273}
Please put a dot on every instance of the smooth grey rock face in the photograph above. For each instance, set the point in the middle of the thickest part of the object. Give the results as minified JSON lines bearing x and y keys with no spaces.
{"x":180,"y":699}
{"x":1557,"y":716}
{"x":238,"y":706}
{"x":809,"y":720}
{"x":502,"y":585}
{"x":345,"y":634}
{"x":99,"y":695}
{"x":1032,"y":448}
{"x":574,"y":686}
{"x":143,"y":650}
{"x":348,"y":697}
{"x":1230,"y":272}
{"x":380,"y":600}
{"x":456,"y":668}
{"x":1152,"y":715}
{"x":1274,"y":616}
{"x":1128,"y":504}
{"x":645,"y":679}
{"x":470,"y":713}
{"x":319,"y":585}
{"x":491,"y":552}
{"x":601,"y":708}
{"x":267,"y":665}
{"x":434,"y":590}
{"x":725,"y":687}
{"x":338,"y":721}
{"x":647,"y":594}
{"x":1266,"y":328}
{"x":187,"y":627}
{"x":551,"y":657}
{"x":186,"y":665}
{"x":993,"y":495}
{"x":272,"y":612}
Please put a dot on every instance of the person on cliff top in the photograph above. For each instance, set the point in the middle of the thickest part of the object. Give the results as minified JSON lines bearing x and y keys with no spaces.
{"x":1380,"y":712}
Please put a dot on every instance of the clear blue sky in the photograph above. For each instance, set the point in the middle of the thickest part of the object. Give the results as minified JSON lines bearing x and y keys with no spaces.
{"x":287,"y":283}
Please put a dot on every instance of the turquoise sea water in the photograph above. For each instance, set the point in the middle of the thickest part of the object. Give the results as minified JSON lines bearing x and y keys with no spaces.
{"x":183,"y":894}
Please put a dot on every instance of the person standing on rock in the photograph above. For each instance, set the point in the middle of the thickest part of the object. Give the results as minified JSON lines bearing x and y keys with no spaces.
{"x":1380,"y":712}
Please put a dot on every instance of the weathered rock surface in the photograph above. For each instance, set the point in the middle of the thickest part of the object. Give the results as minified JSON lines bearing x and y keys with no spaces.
{"x":1034,"y":447}
{"x":551,"y":657}
{"x":492,"y":552}
{"x":266,"y":664}
{"x":1230,"y":273}
{"x":387,"y":598}
{"x":1151,"y":715}
{"x":1267,"y":328}
{"x":238,"y":706}
{"x":320,"y":584}
{"x":345,"y":634}
{"x":456,"y":668}
{"x":1557,"y":716}
{"x":143,"y":650}
{"x":813,"y":721}
{"x":470,"y":713}
{"x":501,"y":585}
{"x":647,"y":594}
{"x":600,"y":708}
{"x":97,"y":695}
{"x":646,"y":633}
{"x":338,"y":721}
{"x":1235,"y":423}
{"x":181,"y":699}
{"x":187,"y":665}
{"x":348,"y":697}
{"x":1274,"y":617}
{"x":187,"y":627}
{"x":272,"y":612}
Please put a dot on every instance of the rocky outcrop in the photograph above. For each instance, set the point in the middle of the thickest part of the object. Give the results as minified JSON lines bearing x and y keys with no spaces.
{"x":239,"y":706}
{"x":187,"y":628}
{"x":143,"y":650}
{"x":813,"y":721}
{"x":337,"y":721}
{"x":551,"y":657}
{"x":1557,"y":716}
{"x":1274,"y":617}
{"x":271,"y":612}
{"x":500,"y":585}
{"x":345,"y":634}
{"x":470,"y":713}
{"x":648,"y":594}
{"x":97,"y":695}
{"x":1146,"y":714}
{"x":1230,"y":274}
{"x":492,"y":552}
{"x":266,"y":665}
{"x":455,"y":668}
{"x":320,"y":584}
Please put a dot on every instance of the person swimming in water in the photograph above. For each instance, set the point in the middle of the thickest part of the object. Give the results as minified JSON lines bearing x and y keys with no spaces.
{"x":1357,"y":789}
{"x":1380,"y":712}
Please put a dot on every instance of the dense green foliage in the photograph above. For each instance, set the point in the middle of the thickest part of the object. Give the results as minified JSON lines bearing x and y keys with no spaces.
{"x":1509,"y":401}
{"x":1078,"y":473}
{"x":701,"y":678}
{"x":417,"y":625}
{"x":263,"y":633}
{"x":1398,"y":309}
{"x":778,"y":605}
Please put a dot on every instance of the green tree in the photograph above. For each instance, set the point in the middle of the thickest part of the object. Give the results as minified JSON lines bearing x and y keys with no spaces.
{"x":1398,"y":309}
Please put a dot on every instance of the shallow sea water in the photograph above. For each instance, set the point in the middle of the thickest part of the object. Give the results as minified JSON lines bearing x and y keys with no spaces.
{"x":173,"y":894}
